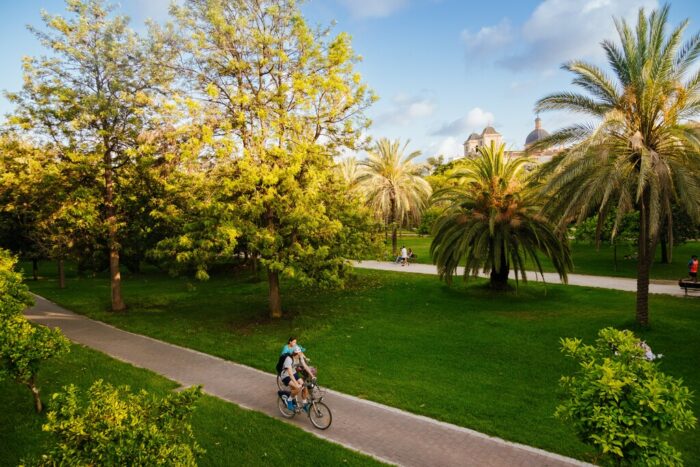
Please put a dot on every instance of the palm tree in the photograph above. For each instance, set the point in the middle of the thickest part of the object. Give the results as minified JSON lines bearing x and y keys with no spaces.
{"x":494,"y":222}
{"x":642,"y":154}
{"x":393,"y":186}
{"x":349,"y":171}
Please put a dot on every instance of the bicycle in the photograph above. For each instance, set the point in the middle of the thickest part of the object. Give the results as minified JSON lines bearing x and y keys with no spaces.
{"x":319,"y":413}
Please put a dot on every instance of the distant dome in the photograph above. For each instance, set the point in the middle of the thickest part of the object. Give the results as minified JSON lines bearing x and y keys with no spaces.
{"x":489,"y":130}
{"x":473,"y":136}
{"x":536,"y":135}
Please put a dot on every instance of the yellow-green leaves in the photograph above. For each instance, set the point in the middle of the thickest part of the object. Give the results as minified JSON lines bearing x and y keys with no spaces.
{"x":621,"y":403}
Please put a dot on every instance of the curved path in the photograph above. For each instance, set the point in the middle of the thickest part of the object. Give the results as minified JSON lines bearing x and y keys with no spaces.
{"x":386,"y":433}
{"x":616,"y":283}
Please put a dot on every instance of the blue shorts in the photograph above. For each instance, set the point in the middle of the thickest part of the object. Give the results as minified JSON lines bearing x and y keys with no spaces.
{"x":287,"y":379}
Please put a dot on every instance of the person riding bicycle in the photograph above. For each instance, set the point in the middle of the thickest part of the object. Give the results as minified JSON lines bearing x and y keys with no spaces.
{"x":288,"y":348}
{"x":290,"y":377}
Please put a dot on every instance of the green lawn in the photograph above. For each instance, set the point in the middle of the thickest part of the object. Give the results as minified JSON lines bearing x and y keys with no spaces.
{"x":588,"y":259}
{"x":229,"y":434}
{"x":462,"y":354}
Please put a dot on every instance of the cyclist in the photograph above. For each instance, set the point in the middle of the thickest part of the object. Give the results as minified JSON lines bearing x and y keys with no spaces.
{"x":289,"y":346}
{"x":290,"y":377}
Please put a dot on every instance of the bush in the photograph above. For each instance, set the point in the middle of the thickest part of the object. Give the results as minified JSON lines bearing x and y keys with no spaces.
{"x":619,"y":401}
{"x":23,"y":347}
{"x":117,"y":427}
{"x":14,"y":294}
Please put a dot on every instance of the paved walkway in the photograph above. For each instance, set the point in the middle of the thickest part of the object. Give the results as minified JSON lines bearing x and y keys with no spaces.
{"x":617,"y":283}
{"x":383,"y":432}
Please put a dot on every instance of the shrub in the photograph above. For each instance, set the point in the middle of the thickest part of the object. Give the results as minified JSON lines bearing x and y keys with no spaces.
{"x":14,"y":294}
{"x":23,"y":347}
{"x":117,"y":427}
{"x":619,"y":401}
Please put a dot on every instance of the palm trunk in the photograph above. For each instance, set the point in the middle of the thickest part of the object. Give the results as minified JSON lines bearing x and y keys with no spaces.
{"x":394,"y":228}
{"x":499,"y":278}
{"x":273,"y":279}
{"x":35,"y":269}
{"x":643,"y":264}
{"x":114,"y":273}
{"x":61,"y":275}
{"x":664,"y":249}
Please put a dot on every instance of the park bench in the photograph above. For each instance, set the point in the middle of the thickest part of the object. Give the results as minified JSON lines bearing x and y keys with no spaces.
{"x":686,"y":284}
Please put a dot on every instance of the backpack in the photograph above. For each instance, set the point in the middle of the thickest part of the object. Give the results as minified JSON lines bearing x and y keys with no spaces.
{"x":280,"y":362}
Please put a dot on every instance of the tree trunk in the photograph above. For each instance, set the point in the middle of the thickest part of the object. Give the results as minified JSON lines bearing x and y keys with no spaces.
{"x":61,"y":275}
{"x":35,"y":269}
{"x":499,"y":279}
{"x":394,"y":227}
{"x":615,"y":255}
{"x":114,"y":273}
{"x":643,"y":263}
{"x":273,"y":279}
{"x":664,"y":249}
{"x":38,"y":406}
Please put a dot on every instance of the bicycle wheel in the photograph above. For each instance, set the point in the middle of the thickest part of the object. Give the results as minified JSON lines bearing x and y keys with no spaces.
{"x":280,"y":384}
{"x":320,"y":415}
{"x":282,"y":405}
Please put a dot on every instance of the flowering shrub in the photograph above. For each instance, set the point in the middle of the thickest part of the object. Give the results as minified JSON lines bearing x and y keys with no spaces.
{"x":114,"y":426}
{"x":619,"y":402}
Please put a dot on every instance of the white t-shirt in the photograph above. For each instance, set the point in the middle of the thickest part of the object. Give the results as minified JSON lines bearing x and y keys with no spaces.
{"x":404,"y":253}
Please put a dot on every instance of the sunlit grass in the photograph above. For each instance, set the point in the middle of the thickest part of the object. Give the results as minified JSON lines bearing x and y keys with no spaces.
{"x":463,"y":354}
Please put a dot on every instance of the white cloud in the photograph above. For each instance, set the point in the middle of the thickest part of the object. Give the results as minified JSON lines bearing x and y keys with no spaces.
{"x":488,"y":39}
{"x":562,"y":30}
{"x":373,"y":8}
{"x":555,"y":32}
{"x":475,"y":120}
{"x":404,"y":109}
{"x":449,"y":147}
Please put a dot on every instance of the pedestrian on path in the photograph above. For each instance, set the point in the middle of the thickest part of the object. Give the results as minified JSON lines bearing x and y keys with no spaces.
{"x":404,"y":255}
{"x":693,"y":268}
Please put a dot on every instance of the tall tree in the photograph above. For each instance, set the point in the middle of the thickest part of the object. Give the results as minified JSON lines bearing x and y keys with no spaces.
{"x":278,"y":100}
{"x":643,"y":153}
{"x":393,"y":185}
{"x":494,"y":222}
{"x":90,"y":99}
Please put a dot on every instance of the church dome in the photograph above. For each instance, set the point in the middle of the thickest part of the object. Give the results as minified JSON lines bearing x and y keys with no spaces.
{"x":473,"y":136}
{"x":537,"y":134}
{"x":489,"y":130}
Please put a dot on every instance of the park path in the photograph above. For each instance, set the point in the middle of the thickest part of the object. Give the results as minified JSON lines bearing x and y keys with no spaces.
{"x":617,"y":283}
{"x":386,"y":433}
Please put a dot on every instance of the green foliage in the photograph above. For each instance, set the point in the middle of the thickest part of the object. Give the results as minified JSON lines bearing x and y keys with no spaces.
{"x":14,"y":294}
{"x":608,"y":230}
{"x":428,"y":219}
{"x":282,"y":99}
{"x":619,"y":402}
{"x":24,"y":346}
{"x":112,"y":426}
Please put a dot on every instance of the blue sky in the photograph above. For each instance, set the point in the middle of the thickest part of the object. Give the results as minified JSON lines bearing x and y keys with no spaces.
{"x":442,"y":68}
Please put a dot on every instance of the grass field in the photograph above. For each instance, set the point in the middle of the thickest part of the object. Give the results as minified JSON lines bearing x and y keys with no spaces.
{"x":230,"y":435}
{"x":462,"y":354}
{"x":588,"y":259}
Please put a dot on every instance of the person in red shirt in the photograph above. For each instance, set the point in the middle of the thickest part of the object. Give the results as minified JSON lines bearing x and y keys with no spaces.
{"x":693,"y":268}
